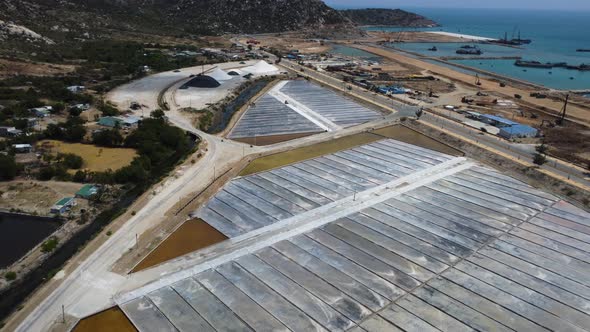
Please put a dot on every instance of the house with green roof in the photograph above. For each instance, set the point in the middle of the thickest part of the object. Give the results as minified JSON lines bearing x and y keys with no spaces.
{"x":110,"y":121}
{"x":63,"y":205}
{"x":87,"y":191}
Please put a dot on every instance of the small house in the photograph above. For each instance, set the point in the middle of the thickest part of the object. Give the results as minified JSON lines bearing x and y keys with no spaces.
{"x":87,"y":191}
{"x":81,"y":107}
{"x":22,"y":148}
{"x":63,"y":205}
{"x":130,"y":121}
{"x":110,"y":121}
{"x":76,"y":88}
{"x":41,"y":112}
{"x":10,"y":132}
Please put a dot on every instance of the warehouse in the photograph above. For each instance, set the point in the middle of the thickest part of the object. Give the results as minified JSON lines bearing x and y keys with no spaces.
{"x":517,"y":131}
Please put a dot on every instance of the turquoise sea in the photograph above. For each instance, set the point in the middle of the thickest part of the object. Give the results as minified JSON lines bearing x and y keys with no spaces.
{"x":556,"y":35}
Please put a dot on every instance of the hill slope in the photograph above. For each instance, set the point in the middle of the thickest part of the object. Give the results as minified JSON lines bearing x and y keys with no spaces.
{"x":392,"y":17}
{"x":169,"y":16}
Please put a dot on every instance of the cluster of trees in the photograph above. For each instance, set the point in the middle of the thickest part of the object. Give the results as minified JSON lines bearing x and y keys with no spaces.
{"x":73,"y":130}
{"x":540,"y":157}
{"x":159,"y":145}
{"x":8,"y":167}
{"x":60,"y":166}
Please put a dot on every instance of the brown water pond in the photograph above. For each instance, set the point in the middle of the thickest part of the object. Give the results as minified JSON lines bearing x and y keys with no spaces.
{"x":193,"y":235}
{"x":112,"y":319}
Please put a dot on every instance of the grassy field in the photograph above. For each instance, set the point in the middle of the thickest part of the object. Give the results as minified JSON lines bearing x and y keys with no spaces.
{"x":95,"y":158}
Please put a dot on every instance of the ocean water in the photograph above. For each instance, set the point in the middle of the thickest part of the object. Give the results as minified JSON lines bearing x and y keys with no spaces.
{"x":556,"y":35}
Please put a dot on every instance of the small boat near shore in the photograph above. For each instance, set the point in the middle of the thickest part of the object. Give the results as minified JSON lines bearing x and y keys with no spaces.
{"x":433,"y":49}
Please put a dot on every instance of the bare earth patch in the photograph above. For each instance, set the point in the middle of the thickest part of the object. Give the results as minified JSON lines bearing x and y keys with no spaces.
{"x":10,"y":68}
{"x":34,"y":197}
{"x":96,"y":158}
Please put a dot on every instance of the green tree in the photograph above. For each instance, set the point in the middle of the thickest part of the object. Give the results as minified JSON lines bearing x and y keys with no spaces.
{"x":49,"y":245}
{"x":542,"y":148}
{"x":108,"y":138}
{"x":10,"y":275}
{"x":72,"y":161}
{"x":58,"y":107}
{"x":46,"y":173}
{"x":539,"y":159}
{"x":8,"y":167}
{"x":80,"y":176}
{"x":108,"y":110}
{"x":157,"y":114}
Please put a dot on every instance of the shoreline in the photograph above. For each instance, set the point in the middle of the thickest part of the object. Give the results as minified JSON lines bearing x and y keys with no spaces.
{"x":577,"y":113}
{"x":459,"y":35}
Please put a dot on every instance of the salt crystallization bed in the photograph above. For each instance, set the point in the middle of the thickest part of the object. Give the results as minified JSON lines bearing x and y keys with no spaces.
{"x":293,"y":107}
{"x":382,"y":237}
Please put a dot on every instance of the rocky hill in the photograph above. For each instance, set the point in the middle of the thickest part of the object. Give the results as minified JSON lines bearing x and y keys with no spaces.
{"x":211,"y":17}
{"x":391,"y":17}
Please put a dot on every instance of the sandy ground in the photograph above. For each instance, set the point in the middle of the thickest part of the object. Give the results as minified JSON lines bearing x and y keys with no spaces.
{"x":413,"y":36}
{"x":580,"y":113}
{"x":286,"y":43}
{"x":34,"y":196}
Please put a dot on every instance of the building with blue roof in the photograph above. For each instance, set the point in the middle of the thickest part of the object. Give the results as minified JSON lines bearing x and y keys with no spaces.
{"x":508,"y":128}
{"x":497,"y":121}
{"x":517,"y":131}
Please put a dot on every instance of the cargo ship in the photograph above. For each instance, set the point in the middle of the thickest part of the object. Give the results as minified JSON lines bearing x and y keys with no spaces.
{"x":521,"y":41}
{"x":583,"y":50}
{"x":469,"y":51}
{"x":537,"y":64}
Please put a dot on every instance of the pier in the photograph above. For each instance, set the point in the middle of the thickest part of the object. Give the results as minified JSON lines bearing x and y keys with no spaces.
{"x":481,"y":58}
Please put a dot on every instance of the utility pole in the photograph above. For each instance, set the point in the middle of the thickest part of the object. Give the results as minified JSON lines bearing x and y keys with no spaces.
{"x":562,"y":118}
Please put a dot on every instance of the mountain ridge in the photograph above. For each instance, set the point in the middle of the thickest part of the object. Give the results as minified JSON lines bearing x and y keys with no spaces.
{"x":91,"y":19}
{"x":384,"y":16}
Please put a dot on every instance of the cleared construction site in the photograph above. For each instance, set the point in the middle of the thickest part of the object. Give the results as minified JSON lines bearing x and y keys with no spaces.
{"x":386,"y":236}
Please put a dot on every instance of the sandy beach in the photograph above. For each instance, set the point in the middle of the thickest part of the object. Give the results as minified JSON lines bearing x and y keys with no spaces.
{"x":462,"y":36}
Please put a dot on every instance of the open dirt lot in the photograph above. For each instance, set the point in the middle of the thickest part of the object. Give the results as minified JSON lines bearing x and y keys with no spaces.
{"x":286,"y":43}
{"x":34,"y":196}
{"x":96,"y":158}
